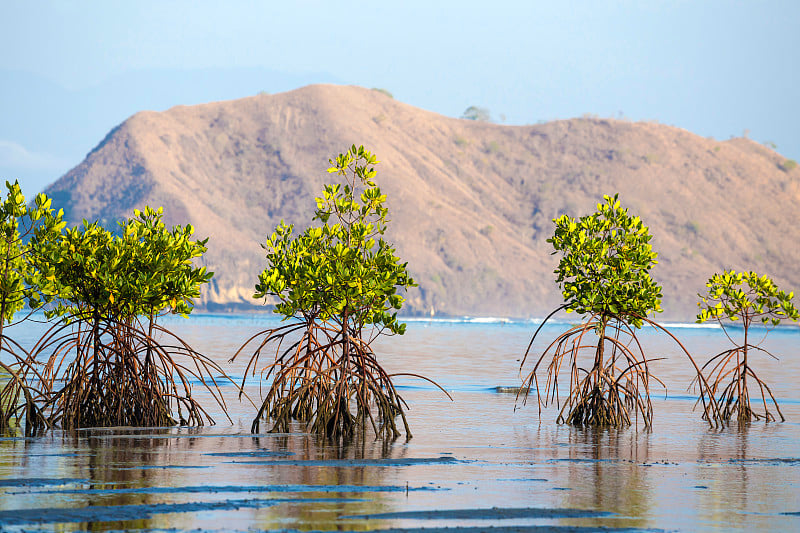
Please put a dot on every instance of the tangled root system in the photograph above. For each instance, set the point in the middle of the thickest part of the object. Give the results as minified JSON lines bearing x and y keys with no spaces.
{"x":19,"y":400}
{"x":730,"y":376}
{"x":610,"y":392}
{"x":113,"y":373}
{"x":609,"y":375}
{"x":328,"y":379}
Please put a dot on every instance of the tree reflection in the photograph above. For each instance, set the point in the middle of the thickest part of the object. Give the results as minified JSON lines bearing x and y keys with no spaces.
{"x":730,"y":476}
{"x":606,"y":473}
{"x":125,"y":467}
{"x":337,"y":471}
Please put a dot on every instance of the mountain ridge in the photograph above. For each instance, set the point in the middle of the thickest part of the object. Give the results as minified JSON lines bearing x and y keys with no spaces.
{"x":470,"y":203}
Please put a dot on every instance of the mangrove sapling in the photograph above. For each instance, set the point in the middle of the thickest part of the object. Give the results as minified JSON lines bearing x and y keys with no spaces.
{"x":107,"y":362}
{"x":604,"y":276}
{"x":338,"y":286}
{"x":21,"y":283}
{"x":751,"y":298}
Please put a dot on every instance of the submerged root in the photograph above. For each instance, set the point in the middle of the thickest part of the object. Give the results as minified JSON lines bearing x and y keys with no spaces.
{"x":610,"y":407}
{"x":596,"y":409}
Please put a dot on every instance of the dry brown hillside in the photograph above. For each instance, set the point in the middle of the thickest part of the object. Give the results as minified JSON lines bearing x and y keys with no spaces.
{"x":471,"y":203}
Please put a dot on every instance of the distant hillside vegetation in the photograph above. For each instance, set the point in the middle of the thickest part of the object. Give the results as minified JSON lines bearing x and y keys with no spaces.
{"x":471,"y":203}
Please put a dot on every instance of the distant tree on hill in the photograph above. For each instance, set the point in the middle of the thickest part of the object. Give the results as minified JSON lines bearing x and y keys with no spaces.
{"x":481,"y":114}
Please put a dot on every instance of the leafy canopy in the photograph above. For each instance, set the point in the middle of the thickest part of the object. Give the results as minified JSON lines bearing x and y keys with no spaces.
{"x":343,"y":268}
{"x":144,"y":270}
{"x":605,"y":265}
{"x":746,"y":296}
{"x":20,"y":280}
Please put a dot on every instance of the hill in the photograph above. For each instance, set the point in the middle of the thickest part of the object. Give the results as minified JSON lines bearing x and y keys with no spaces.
{"x":471,"y":203}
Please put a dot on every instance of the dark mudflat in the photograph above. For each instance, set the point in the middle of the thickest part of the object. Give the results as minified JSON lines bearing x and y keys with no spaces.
{"x":40,"y":482}
{"x":219,"y":489}
{"x":500,"y":389}
{"x":583,"y":460}
{"x":345,"y":463}
{"x":121,"y":513}
{"x":512,"y":529}
{"x":769,"y":461}
{"x":162,"y":467}
{"x":493,"y":513}
{"x":260,"y":453}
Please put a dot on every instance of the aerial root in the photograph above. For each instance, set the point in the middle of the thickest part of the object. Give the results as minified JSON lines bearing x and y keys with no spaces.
{"x":106,"y":372}
{"x":330,"y":382}
{"x":611,"y":391}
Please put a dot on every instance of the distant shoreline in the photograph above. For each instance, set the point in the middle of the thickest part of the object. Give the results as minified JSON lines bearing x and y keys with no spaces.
{"x":267,"y":311}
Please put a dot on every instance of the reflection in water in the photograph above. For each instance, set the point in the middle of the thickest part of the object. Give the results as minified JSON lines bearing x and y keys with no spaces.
{"x":604,"y":471}
{"x":128,"y":468}
{"x":730,"y":490}
{"x":737,"y":484}
{"x":307,"y":448}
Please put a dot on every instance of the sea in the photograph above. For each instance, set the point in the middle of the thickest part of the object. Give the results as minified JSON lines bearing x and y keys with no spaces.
{"x":481,"y":456}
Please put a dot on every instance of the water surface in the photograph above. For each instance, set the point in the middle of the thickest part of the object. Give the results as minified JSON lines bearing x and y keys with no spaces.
{"x":481,"y":460}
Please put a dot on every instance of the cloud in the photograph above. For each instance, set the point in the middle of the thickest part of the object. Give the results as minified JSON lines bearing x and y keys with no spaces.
{"x":14,"y":155}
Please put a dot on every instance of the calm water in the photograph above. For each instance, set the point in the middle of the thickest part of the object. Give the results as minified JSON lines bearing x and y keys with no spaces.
{"x":473,"y":462}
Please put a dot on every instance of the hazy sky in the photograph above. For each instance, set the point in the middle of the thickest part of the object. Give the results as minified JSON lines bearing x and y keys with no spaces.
{"x":716,"y":68}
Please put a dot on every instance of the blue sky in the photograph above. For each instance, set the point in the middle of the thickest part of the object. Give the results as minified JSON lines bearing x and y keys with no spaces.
{"x":69,"y":72}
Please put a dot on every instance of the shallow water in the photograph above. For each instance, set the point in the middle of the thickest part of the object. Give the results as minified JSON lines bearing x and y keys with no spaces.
{"x":473,"y":462}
